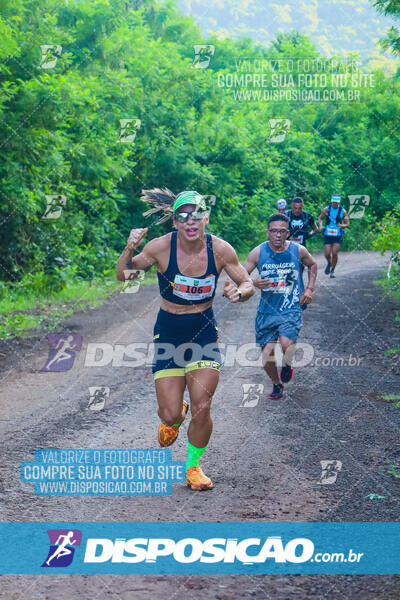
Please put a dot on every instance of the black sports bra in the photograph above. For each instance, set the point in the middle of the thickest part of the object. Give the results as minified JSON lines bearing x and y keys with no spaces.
{"x":185,"y":289}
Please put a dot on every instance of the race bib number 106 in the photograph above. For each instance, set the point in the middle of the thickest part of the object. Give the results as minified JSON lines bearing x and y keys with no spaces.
{"x":193,"y":288}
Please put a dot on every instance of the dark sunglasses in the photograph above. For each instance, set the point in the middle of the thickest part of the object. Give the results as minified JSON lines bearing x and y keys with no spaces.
{"x":196,"y":215}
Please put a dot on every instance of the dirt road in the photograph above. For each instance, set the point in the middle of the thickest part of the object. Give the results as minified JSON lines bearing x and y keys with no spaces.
{"x":264,"y":456}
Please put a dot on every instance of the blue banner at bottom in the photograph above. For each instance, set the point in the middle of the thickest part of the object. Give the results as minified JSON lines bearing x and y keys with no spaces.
{"x":207,"y":547}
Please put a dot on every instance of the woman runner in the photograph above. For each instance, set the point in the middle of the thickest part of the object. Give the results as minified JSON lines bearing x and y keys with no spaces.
{"x":188,"y":263}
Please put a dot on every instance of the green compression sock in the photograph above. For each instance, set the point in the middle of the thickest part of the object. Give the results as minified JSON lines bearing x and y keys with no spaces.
{"x":194,"y":455}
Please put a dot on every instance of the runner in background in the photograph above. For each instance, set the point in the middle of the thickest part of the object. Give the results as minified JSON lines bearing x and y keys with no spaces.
{"x":279,"y":314}
{"x":336,"y":221}
{"x":281,"y":206}
{"x":300,"y":222}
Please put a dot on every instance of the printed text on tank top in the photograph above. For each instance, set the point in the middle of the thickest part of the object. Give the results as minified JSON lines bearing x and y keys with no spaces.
{"x":283,"y":268}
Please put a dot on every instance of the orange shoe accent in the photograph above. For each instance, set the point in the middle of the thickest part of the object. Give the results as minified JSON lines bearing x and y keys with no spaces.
{"x":167,"y":434}
{"x":196,"y":479}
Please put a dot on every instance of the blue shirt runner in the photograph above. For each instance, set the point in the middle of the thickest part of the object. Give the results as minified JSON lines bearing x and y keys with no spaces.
{"x":285,"y":271}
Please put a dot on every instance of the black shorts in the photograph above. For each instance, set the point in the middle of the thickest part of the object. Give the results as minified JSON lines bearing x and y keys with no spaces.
{"x":183,"y":343}
{"x":333,"y":239}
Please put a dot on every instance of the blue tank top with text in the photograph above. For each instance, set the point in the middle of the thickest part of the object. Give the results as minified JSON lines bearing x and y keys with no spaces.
{"x":285,"y":271}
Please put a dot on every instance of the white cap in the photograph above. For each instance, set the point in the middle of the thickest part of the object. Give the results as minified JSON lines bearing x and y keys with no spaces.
{"x":281,"y":203}
{"x":335,"y":198}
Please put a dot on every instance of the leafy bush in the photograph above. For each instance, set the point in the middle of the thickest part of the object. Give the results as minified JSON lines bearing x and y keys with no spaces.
{"x":60,"y":131}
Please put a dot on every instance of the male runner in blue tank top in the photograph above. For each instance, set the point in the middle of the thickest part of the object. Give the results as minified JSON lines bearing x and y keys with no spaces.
{"x":336,"y":221}
{"x":188,"y":263}
{"x":279,"y":313}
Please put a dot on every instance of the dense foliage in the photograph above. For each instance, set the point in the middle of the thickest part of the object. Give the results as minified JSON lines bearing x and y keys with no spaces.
{"x":132,"y":59}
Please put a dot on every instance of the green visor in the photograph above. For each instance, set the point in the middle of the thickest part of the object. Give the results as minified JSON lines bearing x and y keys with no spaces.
{"x":189,"y":198}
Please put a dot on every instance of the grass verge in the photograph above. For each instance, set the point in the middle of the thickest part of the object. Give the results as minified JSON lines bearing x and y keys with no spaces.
{"x":25,"y":310}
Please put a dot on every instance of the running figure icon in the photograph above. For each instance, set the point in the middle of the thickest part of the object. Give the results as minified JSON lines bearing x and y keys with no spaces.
{"x":62,"y":549}
{"x":63,"y":347}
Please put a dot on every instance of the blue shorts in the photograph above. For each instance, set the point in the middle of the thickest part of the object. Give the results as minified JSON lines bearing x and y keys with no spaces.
{"x":183,"y":343}
{"x":333,"y":239}
{"x":270,"y":327}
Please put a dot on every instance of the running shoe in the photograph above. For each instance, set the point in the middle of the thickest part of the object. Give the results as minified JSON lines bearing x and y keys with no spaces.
{"x":277,"y":392}
{"x":286,"y":373}
{"x":167,"y":434}
{"x":328,"y":267}
{"x":196,"y":479}
{"x":332,"y":273}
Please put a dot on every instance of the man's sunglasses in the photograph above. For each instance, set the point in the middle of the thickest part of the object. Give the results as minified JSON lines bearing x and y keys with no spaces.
{"x":196,"y":215}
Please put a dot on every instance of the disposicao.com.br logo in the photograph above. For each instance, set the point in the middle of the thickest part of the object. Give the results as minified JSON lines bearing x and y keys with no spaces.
{"x":247,"y":551}
{"x":209,"y":547}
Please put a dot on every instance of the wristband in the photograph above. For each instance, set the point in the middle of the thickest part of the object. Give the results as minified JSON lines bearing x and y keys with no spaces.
{"x":240,"y":295}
